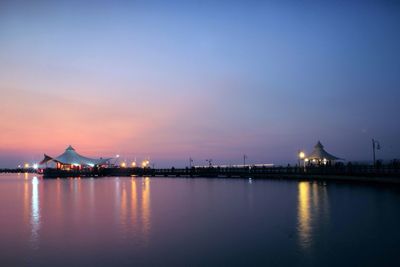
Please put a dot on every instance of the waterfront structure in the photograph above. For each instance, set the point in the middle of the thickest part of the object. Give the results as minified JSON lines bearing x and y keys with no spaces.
{"x":71,"y":160}
{"x":320,"y":156}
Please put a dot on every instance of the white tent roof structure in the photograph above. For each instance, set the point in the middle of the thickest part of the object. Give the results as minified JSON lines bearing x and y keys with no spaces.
{"x":319,"y":153}
{"x":71,"y":157}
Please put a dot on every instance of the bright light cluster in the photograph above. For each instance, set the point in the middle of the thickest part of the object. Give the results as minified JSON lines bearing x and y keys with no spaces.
{"x":145,"y":163}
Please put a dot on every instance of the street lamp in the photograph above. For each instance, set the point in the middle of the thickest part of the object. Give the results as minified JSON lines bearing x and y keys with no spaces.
{"x":145,"y":163}
{"x":301,"y":156}
{"x":244,"y":160}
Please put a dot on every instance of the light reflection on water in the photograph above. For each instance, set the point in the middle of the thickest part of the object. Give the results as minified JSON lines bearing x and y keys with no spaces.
{"x":134,"y":191}
{"x":35,"y":213}
{"x":132,"y":202}
{"x":313,"y":210}
{"x":304,"y":214}
{"x":146,"y":223}
{"x":207,"y":222}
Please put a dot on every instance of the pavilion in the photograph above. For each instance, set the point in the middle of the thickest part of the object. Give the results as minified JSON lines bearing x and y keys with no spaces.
{"x":70,"y":160}
{"x":320,"y":156}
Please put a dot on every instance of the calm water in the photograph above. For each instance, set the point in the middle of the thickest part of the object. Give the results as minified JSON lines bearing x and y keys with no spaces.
{"x":202,"y":222}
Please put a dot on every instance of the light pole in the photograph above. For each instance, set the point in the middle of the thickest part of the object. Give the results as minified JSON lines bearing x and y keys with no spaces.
{"x":190,"y":162}
{"x":209,"y":162}
{"x":302,"y":156}
{"x":375,"y":146}
{"x":244,"y":160}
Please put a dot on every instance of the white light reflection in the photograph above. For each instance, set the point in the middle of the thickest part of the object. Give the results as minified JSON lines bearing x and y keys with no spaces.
{"x":35,"y":213}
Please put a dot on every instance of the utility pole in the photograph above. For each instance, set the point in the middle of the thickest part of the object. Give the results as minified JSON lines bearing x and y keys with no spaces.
{"x":209,"y":162}
{"x":375,"y":146}
{"x":244,"y":160}
{"x":190,"y":162}
{"x":299,"y":157}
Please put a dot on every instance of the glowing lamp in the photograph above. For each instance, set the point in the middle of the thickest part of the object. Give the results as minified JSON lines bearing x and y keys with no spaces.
{"x":133,"y":164}
{"x":302,"y":155}
{"x":123,"y":164}
{"x":35,"y":166}
{"x":26,"y":165}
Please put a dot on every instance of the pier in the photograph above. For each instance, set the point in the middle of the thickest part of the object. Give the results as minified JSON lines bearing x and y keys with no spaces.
{"x":365,"y":173}
{"x":362,"y":173}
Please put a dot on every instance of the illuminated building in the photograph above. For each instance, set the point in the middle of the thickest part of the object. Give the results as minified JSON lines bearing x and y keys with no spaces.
{"x":71,"y":160}
{"x":320,"y":156}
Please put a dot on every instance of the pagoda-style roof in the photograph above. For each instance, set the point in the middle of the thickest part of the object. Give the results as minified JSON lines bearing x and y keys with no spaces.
{"x":319,"y":153}
{"x":71,"y":157}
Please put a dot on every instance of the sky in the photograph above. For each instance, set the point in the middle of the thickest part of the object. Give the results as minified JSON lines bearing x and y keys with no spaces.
{"x":215,"y":80}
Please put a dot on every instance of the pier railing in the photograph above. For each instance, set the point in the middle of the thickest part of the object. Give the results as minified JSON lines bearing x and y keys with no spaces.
{"x":256,"y":172}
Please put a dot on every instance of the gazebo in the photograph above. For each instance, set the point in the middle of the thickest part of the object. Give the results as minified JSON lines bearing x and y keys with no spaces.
{"x":320,"y":156}
{"x":70,"y":159}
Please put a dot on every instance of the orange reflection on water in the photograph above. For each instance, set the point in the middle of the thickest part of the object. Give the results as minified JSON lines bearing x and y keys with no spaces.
{"x":133,"y":198}
{"x":313,"y":210}
{"x":123,"y":207}
{"x":26,"y":202}
{"x":133,"y":202}
{"x":146,"y":206}
{"x":304,"y":218}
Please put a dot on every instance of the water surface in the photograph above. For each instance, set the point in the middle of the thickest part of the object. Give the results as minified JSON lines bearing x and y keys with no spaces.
{"x":198,"y":222}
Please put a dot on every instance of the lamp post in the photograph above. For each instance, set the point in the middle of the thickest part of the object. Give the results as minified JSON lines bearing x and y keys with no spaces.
{"x":244,"y":160}
{"x":209,"y":162}
{"x":302,"y":157}
{"x":375,"y":146}
{"x":190,"y":162}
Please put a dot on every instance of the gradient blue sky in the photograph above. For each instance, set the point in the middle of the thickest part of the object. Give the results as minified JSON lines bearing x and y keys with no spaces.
{"x":207,"y":79}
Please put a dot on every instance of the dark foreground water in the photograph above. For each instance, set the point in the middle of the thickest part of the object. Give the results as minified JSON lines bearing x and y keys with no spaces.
{"x":196,"y":222}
